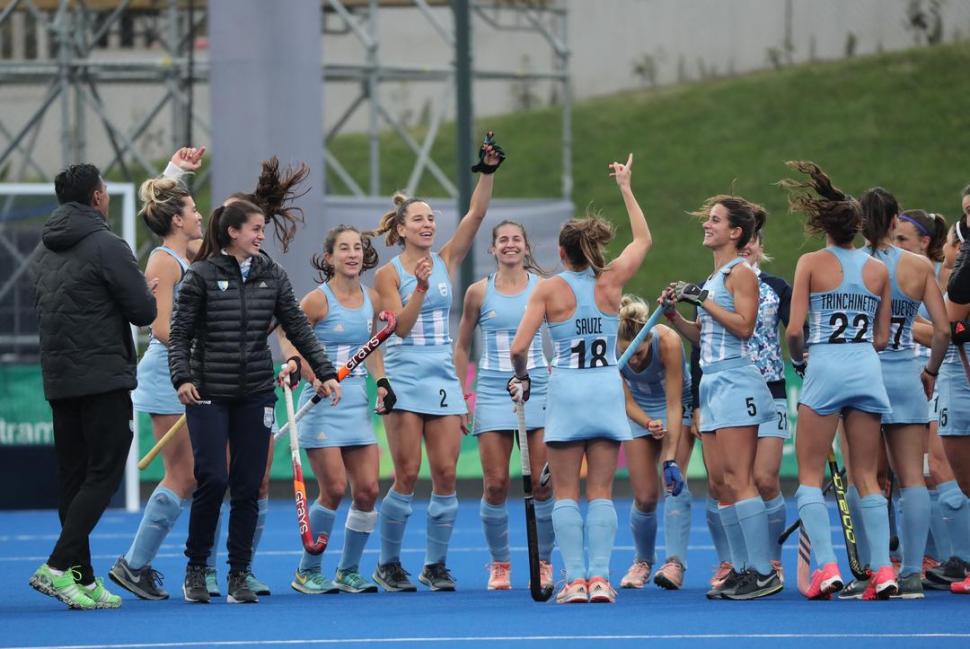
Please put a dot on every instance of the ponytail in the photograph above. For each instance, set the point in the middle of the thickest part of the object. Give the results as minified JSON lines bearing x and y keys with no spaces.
{"x":584,"y":242}
{"x":829,"y":210}
{"x":878,"y":209}
{"x":162,"y":200}
{"x":274,"y":196}
{"x":224,"y":217}
{"x":387,"y":227}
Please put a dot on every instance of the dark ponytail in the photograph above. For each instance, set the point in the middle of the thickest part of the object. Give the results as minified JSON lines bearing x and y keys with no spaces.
{"x":274,"y":196}
{"x":878,"y":209}
{"x":224,"y":217}
{"x":829,"y":210}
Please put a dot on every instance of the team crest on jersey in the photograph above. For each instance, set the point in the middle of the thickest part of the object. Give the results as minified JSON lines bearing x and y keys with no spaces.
{"x":338,"y":327}
{"x":443,"y":289}
{"x":223,"y":284}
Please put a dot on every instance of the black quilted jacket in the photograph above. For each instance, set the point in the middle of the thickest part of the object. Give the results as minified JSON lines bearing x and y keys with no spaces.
{"x":87,"y":289}
{"x":220,"y":325}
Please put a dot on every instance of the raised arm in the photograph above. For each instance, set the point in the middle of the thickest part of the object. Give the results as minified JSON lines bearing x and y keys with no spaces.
{"x":625,"y":266}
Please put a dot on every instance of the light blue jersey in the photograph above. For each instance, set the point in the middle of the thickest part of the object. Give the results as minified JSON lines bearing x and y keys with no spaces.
{"x":585,"y":391}
{"x":342,"y":332}
{"x":717,"y":343}
{"x":847,"y":313}
{"x":904,"y":311}
{"x":431,"y":327}
{"x":155,"y":393}
{"x":648,"y":387}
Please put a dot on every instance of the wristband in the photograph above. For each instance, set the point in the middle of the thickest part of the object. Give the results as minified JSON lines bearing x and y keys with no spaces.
{"x":468,"y":395}
{"x":419,"y":289}
{"x":383,"y":383}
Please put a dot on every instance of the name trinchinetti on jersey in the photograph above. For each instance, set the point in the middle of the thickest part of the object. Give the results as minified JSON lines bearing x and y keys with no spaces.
{"x":586,"y":326}
{"x":849,"y":302}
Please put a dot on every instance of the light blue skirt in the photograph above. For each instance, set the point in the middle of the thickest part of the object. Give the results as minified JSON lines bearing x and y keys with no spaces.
{"x":905,"y":391}
{"x":844,"y":376}
{"x":586,"y":404}
{"x":424,"y":379}
{"x":954,"y":400}
{"x":155,"y":394}
{"x":778,"y":426}
{"x":733,"y":394}
{"x":494,"y":409}
{"x":346,"y":424}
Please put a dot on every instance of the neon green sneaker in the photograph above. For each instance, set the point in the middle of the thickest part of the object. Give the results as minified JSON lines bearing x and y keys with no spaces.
{"x":42,"y":580}
{"x":312,"y":582}
{"x":350,"y":581}
{"x":70,"y":592}
{"x":102,"y":597}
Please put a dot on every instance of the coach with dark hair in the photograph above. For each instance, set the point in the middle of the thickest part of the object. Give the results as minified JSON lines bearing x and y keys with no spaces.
{"x":87,"y":289}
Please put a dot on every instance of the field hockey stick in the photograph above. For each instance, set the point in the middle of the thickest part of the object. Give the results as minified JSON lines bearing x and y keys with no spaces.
{"x":160,"y":444}
{"x":848,"y":531}
{"x":639,"y":338}
{"x":310,"y":545}
{"x":798,"y":521}
{"x":539,"y":594}
{"x":803,"y":570}
{"x":359,"y":357}
{"x":893,"y":535}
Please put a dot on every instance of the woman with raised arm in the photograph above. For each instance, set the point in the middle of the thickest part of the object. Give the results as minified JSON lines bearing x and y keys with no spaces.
{"x":585,"y":416}
{"x":496,"y":304}
{"x":416,"y":286}
{"x":846,"y":297}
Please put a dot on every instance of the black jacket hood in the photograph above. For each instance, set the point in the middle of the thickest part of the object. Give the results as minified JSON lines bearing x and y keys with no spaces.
{"x":69,"y":224}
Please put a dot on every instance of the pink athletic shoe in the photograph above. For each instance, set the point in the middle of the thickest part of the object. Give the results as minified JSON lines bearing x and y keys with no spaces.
{"x":882,"y":584}
{"x":575,"y":592}
{"x":636,"y":576}
{"x":600,"y":591}
{"x":961,"y":587}
{"x":545,"y":575}
{"x":671,"y":575}
{"x":721,"y":573}
{"x":499,"y":575}
{"x":825,"y":581}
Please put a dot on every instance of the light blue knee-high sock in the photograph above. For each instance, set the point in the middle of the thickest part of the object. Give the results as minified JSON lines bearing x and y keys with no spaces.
{"x":544,"y":529}
{"x":161,"y":512}
{"x":754,"y":526}
{"x":321,"y":522}
{"x":956,"y":514}
{"x":395,"y":511}
{"x":223,"y":514}
{"x":644,"y":528}
{"x":442,"y":512}
{"x":677,"y":525}
{"x":735,"y":537}
{"x":815,"y":519}
{"x":716,"y":528}
{"x":568,"y":523}
{"x":875,"y":517}
{"x":858,"y":524}
{"x":941,"y":538}
{"x":357,"y":530}
{"x":262,"y":509}
{"x":775,"y":508}
{"x":915,"y":503}
{"x":601,"y":533}
{"x":495,"y":523}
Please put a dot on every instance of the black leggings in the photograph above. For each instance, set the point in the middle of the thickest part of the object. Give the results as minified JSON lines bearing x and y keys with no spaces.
{"x":958,"y":289}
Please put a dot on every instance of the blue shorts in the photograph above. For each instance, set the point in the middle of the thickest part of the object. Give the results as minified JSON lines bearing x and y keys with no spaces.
{"x":424,"y":379}
{"x":658,"y":410}
{"x":586,"y":404}
{"x":954,"y":400}
{"x":778,"y":426}
{"x":346,"y":424}
{"x":494,"y":409}
{"x":905,"y":391}
{"x":155,"y":393}
{"x":844,"y":376}
{"x":734,"y":394}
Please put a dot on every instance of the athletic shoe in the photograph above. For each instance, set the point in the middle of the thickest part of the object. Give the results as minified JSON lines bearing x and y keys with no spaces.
{"x":256,"y":585}
{"x":312,"y":582}
{"x":546,"y":579}
{"x":43,"y":580}
{"x":144,"y":583}
{"x":64,"y":587}
{"x":194,"y":587}
{"x":897,"y":564}
{"x":600,"y":591}
{"x":855,"y":590}
{"x":239,"y":590}
{"x":953,"y":569}
{"x":101,"y":596}
{"x":721,"y":573}
{"x":727,"y":584}
{"x":436,"y":576}
{"x":882,"y":584}
{"x":351,"y":581}
{"x":671,"y":574}
{"x":212,"y":582}
{"x":753,"y":585}
{"x":825,"y":581}
{"x":961,"y":587}
{"x":637,"y":575}
{"x":499,"y":575}
{"x":393,"y":578}
{"x":929,"y":563}
{"x":574,"y":592}
{"x":909,"y":587}
{"x":779,"y":570}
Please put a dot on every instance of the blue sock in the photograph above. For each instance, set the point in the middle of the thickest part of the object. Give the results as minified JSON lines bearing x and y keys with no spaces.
{"x":644,"y":528}
{"x":716,"y":528}
{"x":677,"y":526}
{"x":775,"y":508}
{"x":547,"y":535}
{"x":442,"y":512}
{"x":916,"y":508}
{"x":956,"y":514}
{"x":875,"y":517}
{"x":395,"y":510}
{"x":262,"y":508}
{"x":754,"y":526}
{"x":223,"y":513}
{"x":735,"y":537}
{"x":815,"y":520}
{"x":942,"y":549}
{"x":321,"y":522}
{"x":357,"y":530}
{"x":858,"y":524}
{"x":161,"y":512}
{"x":601,"y":532}
{"x":568,"y":523}
{"x":495,"y":522}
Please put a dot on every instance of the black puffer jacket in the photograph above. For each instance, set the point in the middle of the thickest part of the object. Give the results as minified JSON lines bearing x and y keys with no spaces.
{"x":87,"y":289}
{"x":219,"y":328}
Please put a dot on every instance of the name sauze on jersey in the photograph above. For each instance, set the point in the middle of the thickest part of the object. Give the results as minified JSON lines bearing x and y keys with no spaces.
{"x":586,"y":326}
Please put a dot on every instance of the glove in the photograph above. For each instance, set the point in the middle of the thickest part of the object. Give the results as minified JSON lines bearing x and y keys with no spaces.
{"x":799,"y":368}
{"x":295,"y":374}
{"x":483,"y":166}
{"x":390,"y":398}
{"x":519,"y":388}
{"x":690,"y":293}
{"x":673,"y":478}
{"x":960,"y":332}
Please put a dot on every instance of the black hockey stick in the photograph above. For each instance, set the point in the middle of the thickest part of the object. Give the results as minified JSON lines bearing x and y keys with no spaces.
{"x":538,"y":593}
{"x":798,"y":521}
{"x":893,"y":535}
{"x":848,"y":531}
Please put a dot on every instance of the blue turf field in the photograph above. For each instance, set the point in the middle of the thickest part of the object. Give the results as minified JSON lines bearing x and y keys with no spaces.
{"x":472,"y":617}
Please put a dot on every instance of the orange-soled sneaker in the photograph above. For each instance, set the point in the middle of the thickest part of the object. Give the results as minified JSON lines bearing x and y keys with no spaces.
{"x":882,"y":584}
{"x":637,"y":575}
{"x":825,"y":581}
{"x":574,"y":592}
{"x":545,"y":575}
{"x":721,"y":573}
{"x":499,"y":575}
{"x":671,"y":575}
{"x":961,"y":587}
{"x":600,"y":591}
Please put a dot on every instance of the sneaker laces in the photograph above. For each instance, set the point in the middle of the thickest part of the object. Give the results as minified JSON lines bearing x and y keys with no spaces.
{"x":440,"y":571}
{"x":154,"y":577}
{"x":396,"y":572}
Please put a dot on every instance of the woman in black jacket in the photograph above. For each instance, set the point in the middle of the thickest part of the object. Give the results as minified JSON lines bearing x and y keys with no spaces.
{"x":222,"y":367}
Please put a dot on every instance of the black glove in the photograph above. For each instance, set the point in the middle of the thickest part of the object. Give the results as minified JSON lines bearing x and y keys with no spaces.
{"x":960,"y":332}
{"x":690,"y":293}
{"x":517,"y":383}
{"x":390,"y":398}
{"x":483,"y":166}
{"x":295,"y":374}
{"x":799,"y":368}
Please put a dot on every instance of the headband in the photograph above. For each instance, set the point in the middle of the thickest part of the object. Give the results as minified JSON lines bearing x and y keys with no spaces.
{"x":916,"y":224}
